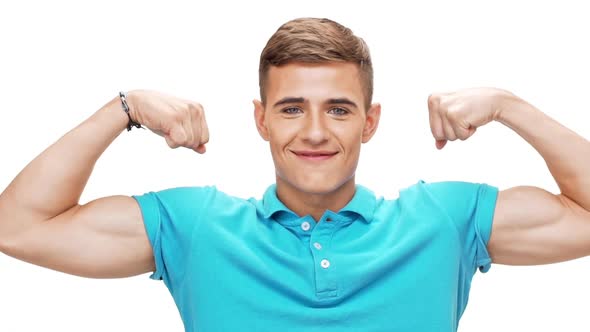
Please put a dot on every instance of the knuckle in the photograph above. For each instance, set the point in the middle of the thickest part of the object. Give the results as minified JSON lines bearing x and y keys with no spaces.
{"x":465,"y":134}
{"x":433,"y":101}
{"x":195,"y":108}
{"x":177,"y":134}
{"x":171,"y":143}
{"x":451,"y":135}
{"x":192,"y":108}
{"x":186,"y":112}
{"x":183,"y":139}
{"x":178,"y":116}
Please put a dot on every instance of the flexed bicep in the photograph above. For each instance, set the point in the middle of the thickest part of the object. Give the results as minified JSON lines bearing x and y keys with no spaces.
{"x":104,"y":238}
{"x":533,"y":226}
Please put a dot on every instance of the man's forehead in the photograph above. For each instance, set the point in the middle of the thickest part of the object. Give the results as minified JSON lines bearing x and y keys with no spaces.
{"x":311,"y":70}
{"x":315,"y":81}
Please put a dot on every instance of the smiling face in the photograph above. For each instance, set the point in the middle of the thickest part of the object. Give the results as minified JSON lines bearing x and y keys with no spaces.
{"x":315,"y":120}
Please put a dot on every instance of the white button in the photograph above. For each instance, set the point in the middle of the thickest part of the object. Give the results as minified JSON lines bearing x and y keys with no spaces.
{"x":325,"y":263}
{"x":317,"y":246}
{"x":305,"y":226}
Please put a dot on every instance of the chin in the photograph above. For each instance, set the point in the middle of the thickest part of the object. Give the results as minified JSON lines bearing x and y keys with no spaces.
{"x":315,"y":185}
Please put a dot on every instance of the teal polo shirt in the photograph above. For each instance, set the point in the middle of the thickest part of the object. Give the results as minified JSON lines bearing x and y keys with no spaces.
{"x":402,"y":264}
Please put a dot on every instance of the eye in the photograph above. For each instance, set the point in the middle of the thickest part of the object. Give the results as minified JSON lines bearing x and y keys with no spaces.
{"x":291,"y":110}
{"x":339,"y":111}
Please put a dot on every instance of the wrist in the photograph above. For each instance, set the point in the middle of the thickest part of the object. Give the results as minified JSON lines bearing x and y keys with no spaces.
{"x":511,"y":109}
{"x":132,"y":102}
{"x":128,"y":111}
{"x":504,"y":102}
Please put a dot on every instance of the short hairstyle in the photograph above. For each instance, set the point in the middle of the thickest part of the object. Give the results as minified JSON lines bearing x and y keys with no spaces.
{"x":316,"y":40}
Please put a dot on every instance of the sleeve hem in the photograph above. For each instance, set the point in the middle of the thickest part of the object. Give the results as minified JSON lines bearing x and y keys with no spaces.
{"x":152,"y":223}
{"x":483,"y":225}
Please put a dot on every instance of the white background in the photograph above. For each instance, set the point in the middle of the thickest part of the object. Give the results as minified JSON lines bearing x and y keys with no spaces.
{"x":60,"y":62}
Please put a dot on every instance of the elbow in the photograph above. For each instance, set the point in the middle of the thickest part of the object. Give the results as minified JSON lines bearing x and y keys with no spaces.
{"x":15,"y":226}
{"x":4,"y":236}
{"x":11,"y":238}
{"x":4,"y":225}
{"x":5,"y":241}
{"x":13,"y":246}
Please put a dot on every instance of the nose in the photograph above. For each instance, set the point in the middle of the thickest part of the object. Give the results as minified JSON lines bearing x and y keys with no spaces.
{"x":315,"y":131}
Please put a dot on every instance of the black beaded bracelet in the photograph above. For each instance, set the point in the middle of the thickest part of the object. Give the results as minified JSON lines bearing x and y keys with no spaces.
{"x":131,"y":123}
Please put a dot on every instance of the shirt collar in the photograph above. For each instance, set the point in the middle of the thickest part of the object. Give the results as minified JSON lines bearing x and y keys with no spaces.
{"x":363,"y":203}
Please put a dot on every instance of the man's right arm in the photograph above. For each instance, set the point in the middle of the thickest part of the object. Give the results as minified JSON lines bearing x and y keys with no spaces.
{"x":41,"y":220}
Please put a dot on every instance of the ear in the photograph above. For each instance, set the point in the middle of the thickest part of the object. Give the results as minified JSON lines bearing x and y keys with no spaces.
{"x":260,"y":119}
{"x":371,"y":122}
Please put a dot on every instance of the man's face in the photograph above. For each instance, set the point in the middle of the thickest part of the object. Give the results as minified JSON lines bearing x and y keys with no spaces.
{"x":315,"y":121}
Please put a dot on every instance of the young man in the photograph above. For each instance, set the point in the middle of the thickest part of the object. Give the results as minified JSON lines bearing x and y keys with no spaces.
{"x":317,"y":252}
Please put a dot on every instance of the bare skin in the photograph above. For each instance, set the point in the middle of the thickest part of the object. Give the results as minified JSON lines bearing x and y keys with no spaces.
{"x":531,"y":226}
{"x":315,"y":108}
{"x":42,"y":222}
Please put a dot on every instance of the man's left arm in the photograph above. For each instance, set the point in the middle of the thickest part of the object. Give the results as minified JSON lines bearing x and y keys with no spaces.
{"x":531,"y":225}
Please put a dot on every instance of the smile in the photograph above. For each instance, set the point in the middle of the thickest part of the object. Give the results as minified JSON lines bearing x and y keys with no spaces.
{"x":315,"y":155}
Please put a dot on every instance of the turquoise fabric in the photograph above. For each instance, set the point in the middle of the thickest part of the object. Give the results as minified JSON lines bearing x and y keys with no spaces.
{"x":402,"y":264}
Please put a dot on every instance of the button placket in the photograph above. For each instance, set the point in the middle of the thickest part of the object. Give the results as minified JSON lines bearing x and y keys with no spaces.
{"x":326,"y":286}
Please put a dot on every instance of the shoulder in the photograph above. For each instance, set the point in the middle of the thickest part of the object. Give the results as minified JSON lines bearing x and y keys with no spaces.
{"x":190,"y":200}
{"x":177,"y":196}
{"x":453,"y":197}
{"x":445,"y":190}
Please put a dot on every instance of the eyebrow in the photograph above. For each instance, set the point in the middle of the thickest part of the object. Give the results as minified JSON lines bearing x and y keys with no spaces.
{"x":342,"y":101}
{"x":301,"y":100}
{"x":290,"y":100}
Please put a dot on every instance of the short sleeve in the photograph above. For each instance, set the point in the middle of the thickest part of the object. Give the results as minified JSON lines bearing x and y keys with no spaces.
{"x":471,"y":207}
{"x":170,"y":217}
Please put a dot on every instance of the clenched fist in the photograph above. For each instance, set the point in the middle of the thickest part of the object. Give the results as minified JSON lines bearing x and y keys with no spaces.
{"x":457,"y":115}
{"x":181,"y":122}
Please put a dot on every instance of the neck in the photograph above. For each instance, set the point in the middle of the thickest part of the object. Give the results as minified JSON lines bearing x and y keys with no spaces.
{"x":314,"y":204}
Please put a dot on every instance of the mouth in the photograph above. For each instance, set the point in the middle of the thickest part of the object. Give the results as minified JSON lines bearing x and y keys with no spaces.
{"x":315,"y":155}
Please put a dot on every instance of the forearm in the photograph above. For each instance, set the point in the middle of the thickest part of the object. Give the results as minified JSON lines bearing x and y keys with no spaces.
{"x":566,"y":153}
{"x":53,"y":182}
